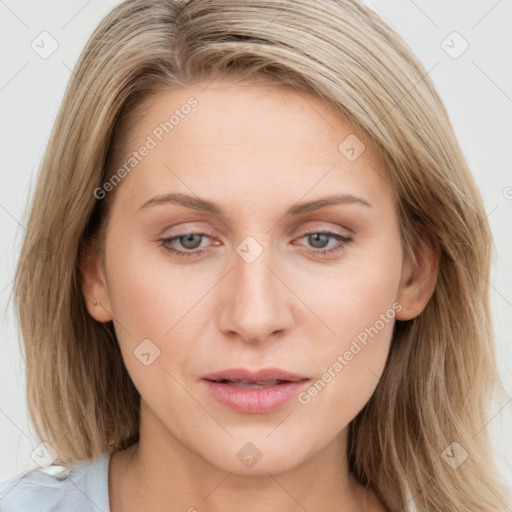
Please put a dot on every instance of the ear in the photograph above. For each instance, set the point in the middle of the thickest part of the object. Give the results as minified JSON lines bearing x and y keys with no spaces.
{"x":94,"y":285}
{"x":419,"y":276}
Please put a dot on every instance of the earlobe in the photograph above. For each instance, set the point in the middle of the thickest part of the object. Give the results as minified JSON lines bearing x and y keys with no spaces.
{"x":419,"y":277}
{"x":94,"y":287}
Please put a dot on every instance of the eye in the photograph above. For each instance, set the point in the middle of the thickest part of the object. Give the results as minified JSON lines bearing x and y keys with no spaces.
{"x":320,"y":239}
{"x":188,"y":241}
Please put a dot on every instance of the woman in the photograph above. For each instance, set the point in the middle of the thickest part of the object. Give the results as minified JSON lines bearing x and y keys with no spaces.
{"x":264,"y":282}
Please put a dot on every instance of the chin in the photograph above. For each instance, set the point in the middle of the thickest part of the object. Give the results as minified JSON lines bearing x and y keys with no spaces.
{"x":257,"y":458}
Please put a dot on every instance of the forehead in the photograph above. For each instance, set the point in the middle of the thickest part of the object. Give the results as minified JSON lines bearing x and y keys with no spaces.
{"x":248,"y":114}
{"x":249,"y":140}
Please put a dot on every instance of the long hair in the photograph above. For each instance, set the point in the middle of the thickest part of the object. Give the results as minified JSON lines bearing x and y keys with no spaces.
{"x":440,"y":373}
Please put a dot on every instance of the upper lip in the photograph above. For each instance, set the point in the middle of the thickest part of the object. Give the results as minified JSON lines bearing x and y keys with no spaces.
{"x":262,"y":375}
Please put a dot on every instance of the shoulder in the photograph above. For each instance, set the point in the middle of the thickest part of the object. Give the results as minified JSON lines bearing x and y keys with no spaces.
{"x":81,"y":487}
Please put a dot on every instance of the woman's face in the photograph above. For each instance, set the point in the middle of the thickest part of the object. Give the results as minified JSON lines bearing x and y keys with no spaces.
{"x":250,"y":289}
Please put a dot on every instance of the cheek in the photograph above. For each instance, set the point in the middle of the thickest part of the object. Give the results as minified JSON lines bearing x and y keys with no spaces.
{"x":349,"y":364}
{"x":359,"y":307}
{"x":149,"y":294}
{"x":157,"y":309}
{"x":353,"y":294}
{"x":153,"y":305}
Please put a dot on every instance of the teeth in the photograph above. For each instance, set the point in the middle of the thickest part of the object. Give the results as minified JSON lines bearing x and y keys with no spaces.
{"x":244,"y":384}
{"x":262,"y":382}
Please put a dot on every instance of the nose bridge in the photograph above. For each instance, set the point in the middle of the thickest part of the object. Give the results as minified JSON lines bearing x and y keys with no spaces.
{"x":255,"y":306}
{"x":251,"y":272}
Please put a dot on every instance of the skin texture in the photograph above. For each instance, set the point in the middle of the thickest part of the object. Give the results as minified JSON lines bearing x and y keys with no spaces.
{"x":254,"y":151}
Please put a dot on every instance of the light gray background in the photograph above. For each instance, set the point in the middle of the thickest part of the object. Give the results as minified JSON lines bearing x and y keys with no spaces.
{"x":476,"y":88}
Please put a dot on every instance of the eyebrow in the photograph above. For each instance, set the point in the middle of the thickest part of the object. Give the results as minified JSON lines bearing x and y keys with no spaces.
{"x":209,"y":207}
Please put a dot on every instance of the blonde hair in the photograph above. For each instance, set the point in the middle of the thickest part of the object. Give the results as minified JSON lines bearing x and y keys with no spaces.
{"x":441,"y":372}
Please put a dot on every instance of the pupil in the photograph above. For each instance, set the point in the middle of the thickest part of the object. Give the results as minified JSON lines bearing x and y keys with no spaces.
{"x":192,"y":241}
{"x":188,"y":241}
{"x":314,"y":238}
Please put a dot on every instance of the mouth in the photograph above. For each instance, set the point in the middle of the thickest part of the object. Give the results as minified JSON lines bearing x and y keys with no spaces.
{"x":255,"y":392}
{"x":265,"y":377}
{"x":247,"y":384}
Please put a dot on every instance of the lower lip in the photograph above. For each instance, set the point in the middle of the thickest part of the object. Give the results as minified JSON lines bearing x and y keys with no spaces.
{"x":255,"y":401}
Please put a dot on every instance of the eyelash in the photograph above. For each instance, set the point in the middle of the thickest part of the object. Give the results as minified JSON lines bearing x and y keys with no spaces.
{"x":322,"y":252}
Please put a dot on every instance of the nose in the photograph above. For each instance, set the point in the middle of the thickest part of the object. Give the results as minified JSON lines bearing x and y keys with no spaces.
{"x":255,"y":300}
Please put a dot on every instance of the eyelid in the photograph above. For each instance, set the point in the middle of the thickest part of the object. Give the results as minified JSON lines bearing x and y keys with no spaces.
{"x":302,"y":232}
{"x":327,"y":252}
{"x":177,"y":230}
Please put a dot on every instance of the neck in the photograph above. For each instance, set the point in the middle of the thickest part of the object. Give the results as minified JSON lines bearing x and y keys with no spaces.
{"x":156,"y":476}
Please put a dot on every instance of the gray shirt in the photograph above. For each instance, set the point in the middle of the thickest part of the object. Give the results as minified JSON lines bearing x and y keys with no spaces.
{"x":83,"y":487}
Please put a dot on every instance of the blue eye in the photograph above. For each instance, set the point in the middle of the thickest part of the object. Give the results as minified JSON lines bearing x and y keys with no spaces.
{"x":190,"y":241}
{"x":185,"y":239}
{"x":323,"y":236}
